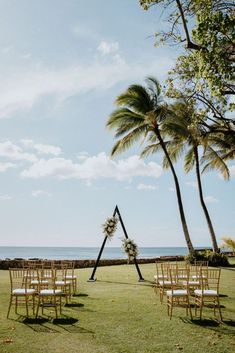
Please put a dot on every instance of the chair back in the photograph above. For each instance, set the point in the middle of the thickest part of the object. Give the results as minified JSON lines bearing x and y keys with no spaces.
{"x":210,"y":279}
{"x":18,"y":278}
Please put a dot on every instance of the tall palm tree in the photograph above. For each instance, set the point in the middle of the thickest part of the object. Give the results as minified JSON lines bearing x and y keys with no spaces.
{"x":186,"y":131}
{"x":140,"y":115}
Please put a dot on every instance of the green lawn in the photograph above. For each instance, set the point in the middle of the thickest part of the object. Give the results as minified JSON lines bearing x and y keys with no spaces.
{"x":118,"y":314}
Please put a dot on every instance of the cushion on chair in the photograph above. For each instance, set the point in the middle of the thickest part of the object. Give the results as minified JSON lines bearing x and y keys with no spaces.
{"x":191,"y":283}
{"x":22,"y":291}
{"x":61,"y":283}
{"x":177,"y":292}
{"x":207,"y":292}
{"x":51,"y":292}
{"x":37,"y":282}
{"x":70,"y":277}
{"x":166,"y":283}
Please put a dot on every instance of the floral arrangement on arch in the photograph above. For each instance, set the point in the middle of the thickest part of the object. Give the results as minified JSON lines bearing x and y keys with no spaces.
{"x":110,"y":226}
{"x":130,"y":248}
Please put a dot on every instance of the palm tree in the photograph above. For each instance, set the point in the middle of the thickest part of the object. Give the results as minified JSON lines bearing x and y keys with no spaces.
{"x":140,"y":115}
{"x":186,"y":131}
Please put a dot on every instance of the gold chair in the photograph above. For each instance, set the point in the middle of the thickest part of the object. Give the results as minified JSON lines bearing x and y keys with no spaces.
{"x":70,"y":275}
{"x":50,"y":296}
{"x":159,"y":275}
{"x":209,"y":291}
{"x":62,"y":282}
{"x":177,"y":296}
{"x":20,"y":290}
{"x":165,"y":282}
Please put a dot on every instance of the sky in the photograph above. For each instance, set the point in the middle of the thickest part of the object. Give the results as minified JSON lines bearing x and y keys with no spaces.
{"x":62,"y":65}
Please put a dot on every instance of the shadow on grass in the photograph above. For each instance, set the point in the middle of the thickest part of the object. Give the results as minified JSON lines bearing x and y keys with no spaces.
{"x":226,"y":327}
{"x":74,"y":305}
{"x":39,"y":325}
{"x":80,"y":295}
{"x":145,"y":283}
{"x":46,"y":325}
{"x":69,"y":324}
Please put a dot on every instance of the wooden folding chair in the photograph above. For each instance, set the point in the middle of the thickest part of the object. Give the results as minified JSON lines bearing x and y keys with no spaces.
{"x":208,"y":294}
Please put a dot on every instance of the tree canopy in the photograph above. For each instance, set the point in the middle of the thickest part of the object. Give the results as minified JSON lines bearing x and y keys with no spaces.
{"x":205,"y":71}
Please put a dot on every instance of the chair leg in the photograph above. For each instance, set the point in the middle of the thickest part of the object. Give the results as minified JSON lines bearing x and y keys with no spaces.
{"x":16,"y":305}
{"x":9,"y":308}
{"x":189,"y":308}
{"x":219,"y":308}
{"x":27,"y":306}
{"x":171,"y":307}
{"x":201,"y":305}
{"x":39,"y":302}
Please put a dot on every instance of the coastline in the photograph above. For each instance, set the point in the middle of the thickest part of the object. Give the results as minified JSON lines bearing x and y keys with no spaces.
{"x":18,"y":263}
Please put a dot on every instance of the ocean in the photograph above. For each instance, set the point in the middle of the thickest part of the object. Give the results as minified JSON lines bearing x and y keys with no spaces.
{"x":83,"y":253}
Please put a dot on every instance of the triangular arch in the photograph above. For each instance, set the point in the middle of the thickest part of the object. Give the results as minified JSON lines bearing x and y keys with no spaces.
{"x":116,"y":212}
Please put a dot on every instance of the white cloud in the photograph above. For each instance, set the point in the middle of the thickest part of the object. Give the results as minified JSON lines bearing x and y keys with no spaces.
{"x":193,"y":184}
{"x":41,"y":148}
{"x":146,"y":187}
{"x":106,"y":48}
{"x":211,"y":199}
{"x":5,"y":166}
{"x":5,"y":197}
{"x":83,"y":155}
{"x":11,"y":151}
{"x":38,"y":193}
{"x":22,"y":87}
{"x":93,"y":167}
{"x":171,"y":189}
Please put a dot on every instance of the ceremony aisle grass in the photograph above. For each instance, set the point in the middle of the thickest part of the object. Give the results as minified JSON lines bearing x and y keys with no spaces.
{"x":117,"y":314}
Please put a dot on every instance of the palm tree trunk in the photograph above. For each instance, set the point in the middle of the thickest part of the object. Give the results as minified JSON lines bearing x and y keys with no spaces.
{"x":209,"y":223}
{"x":178,"y":193}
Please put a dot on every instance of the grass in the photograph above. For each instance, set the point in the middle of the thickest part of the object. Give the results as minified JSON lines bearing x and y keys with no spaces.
{"x":116,"y":314}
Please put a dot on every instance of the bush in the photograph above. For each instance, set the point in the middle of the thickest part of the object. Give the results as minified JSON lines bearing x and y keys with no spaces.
{"x":214,"y":259}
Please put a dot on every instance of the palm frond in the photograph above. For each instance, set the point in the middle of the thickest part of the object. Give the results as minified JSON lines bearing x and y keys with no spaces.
{"x":215,"y":161}
{"x":122,"y":116}
{"x":175,"y":150}
{"x":150,"y":149}
{"x":128,"y":140}
{"x":137,"y":98}
{"x":189,"y":160}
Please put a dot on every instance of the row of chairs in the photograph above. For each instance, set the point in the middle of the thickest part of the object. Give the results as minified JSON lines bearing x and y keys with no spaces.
{"x":41,"y":286}
{"x":181,"y":284}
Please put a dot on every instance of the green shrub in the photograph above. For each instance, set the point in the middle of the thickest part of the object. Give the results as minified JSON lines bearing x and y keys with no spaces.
{"x":214,"y":259}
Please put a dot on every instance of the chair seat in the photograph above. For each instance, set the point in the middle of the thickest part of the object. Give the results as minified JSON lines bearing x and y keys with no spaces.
{"x":198,"y":276}
{"x":182,"y":277}
{"x":177,"y":292}
{"x":37,"y":282}
{"x":166,"y":283}
{"x":70,"y":277}
{"x":50,"y":292}
{"x":61,"y":283}
{"x":191,"y":283}
{"x":206,"y":292}
{"x":22,"y":291}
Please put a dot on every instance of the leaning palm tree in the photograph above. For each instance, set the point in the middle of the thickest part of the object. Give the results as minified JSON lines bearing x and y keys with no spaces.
{"x":187,"y":131}
{"x":140,"y":115}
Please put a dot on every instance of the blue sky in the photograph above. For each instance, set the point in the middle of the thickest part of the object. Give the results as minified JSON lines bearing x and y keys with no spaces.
{"x":62,"y":64}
